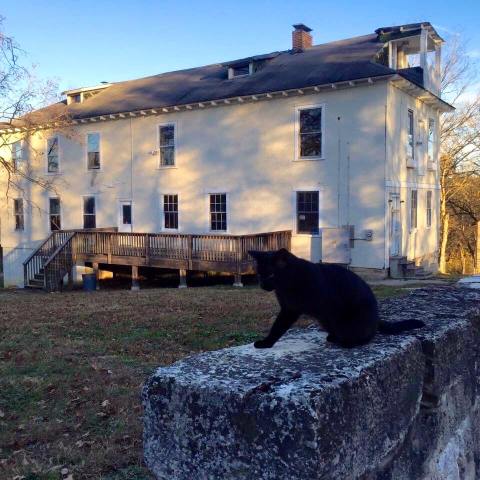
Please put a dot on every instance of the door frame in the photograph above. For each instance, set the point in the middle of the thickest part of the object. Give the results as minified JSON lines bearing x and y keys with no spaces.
{"x":121,"y":227}
{"x":395,"y":206}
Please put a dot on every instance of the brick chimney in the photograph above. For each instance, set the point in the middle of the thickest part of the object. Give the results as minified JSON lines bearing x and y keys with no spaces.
{"x":301,"y":38}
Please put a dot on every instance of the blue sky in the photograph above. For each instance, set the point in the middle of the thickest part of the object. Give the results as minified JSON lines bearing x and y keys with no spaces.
{"x":84,"y":42}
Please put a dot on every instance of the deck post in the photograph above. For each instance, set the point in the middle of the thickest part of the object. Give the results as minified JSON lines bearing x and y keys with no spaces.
{"x":183,"y":278}
{"x":71,"y":276}
{"x":237,"y":282}
{"x":135,"y":284}
{"x":97,"y":274}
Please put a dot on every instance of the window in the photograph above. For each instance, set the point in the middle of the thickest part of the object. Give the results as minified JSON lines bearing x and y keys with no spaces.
{"x":218,"y":211}
{"x":52,"y":155}
{"x":410,"y":143}
{"x":18,"y":214}
{"x":126,"y":214}
{"x":431,"y":140}
{"x":167,"y":145}
{"x":170,"y":212}
{"x":54,"y":213}
{"x":429,"y":209}
{"x":76,"y":98}
{"x":413,"y":209}
{"x":310,"y":125}
{"x":307,"y":212}
{"x":89,"y":215}
{"x":17,"y":155}
{"x":93,"y":151}
{"x":239,"y":71}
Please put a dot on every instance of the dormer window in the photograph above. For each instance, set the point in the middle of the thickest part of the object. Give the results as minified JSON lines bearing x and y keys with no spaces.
{"x":239,"y":70}
{"x":79,"y":95}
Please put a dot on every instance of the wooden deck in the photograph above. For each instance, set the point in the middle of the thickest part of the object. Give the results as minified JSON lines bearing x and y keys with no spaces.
{"x":49,"y":264}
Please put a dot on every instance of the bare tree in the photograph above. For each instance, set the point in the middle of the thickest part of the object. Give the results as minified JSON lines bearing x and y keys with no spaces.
{"x":459,"y":138}
{"x":22,"y":96}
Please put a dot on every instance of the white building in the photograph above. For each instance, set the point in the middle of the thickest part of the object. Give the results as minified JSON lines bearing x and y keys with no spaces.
{"x":309,"y":139}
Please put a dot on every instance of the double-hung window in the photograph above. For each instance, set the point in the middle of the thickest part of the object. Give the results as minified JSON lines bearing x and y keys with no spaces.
{"x":413,"y":209}
{"x":17,"y":155}
{"x":166,"y":138}
{"x":170,"y":212}
{"x":54,"y":214}
{"x":431,"y":141}
{"x":89,"y":212}
{"x":218,"y":212}
{"x":53,"y":163}
{"x":19,"y":214}
{"x":410,"y":137}
{"x":308,"y":212}
{"x":310,"y":132}
{"x":93,"y":151}
{"x":429,"y":208}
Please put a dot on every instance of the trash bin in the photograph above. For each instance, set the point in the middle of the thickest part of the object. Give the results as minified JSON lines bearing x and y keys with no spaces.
{"x":89,"y":282}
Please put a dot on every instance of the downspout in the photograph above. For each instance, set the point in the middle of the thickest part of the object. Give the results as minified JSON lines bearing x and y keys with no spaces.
{"x":338,"y":174}
{"x":131,"y":174}
{"x":386,"y":241}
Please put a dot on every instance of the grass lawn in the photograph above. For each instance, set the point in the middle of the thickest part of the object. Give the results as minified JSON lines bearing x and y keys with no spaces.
{"x":72,"y":365}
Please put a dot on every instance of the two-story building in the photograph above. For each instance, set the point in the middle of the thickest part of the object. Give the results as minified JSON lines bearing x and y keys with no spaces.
{"x":337,"y":143}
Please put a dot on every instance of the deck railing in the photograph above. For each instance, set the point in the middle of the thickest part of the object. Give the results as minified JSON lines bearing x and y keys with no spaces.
{"x":213,"y":248}
{"x":59,"y":252}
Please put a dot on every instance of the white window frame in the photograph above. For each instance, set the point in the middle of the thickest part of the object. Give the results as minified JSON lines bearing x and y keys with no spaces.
{"x":49,"y":212}
{"x":427,"y":225}
{"x":432,"y":160}
{"x":318,"y":189}
{"x":298,"y":109}
{"x":410,"y":153}
{"x":227,"y":199}
{"x":15,"y":215}
{"x":96,"y":209}
{"x":231,"y":70}
{"x":410,"y":223}
{"x":162,"y":212}
{"x":22,"y":157}
{"x":59,"y":154}
{"x":94,"y":132}
{"x":175,"y":146}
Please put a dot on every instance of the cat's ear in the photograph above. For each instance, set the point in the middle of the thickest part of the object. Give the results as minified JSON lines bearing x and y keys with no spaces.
{"x":256,"y":254}
{"x":281,"y":257}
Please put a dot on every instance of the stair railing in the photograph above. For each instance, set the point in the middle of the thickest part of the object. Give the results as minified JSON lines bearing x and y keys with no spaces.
{"x":35,"y":262}
{"x":59,"y":263}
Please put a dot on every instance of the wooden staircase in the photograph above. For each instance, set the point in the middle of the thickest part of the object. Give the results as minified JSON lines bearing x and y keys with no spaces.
{"x":46,"y":267}
{"x":402,"y":268}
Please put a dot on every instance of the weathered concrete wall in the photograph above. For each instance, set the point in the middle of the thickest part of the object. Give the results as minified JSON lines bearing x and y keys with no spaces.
{"x":402,"y":407}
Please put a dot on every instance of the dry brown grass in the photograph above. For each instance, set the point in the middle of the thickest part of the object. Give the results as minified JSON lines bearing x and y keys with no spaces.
{"x":72,"y":365}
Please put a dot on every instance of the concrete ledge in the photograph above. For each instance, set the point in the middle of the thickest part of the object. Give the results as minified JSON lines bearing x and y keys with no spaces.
{"x":399,"y":408}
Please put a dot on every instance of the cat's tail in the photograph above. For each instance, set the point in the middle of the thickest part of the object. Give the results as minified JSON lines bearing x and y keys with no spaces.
{"x":392,"y":328}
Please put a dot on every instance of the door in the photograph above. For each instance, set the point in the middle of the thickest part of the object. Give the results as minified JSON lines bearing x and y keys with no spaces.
{"x":395,"y":225}
{"x":125,"y":216}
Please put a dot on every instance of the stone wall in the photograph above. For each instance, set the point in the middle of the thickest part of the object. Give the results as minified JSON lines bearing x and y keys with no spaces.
{"x":402,"y":407}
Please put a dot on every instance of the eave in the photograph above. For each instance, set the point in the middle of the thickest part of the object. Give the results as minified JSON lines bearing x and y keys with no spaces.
{"x":397,"y":80}
{"x":422,"y":94}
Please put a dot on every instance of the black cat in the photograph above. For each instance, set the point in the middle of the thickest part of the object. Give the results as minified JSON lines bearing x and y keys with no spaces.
{"x":339,"y":299}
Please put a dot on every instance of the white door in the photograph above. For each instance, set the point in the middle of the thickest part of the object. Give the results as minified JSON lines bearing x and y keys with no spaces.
{"x":395,"y":225}
{"x":125,"y":216}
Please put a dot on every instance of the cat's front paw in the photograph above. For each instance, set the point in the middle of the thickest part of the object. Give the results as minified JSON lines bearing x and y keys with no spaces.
{"x":263,"y":344}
